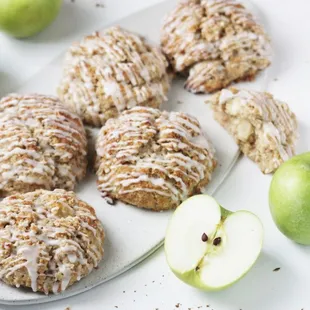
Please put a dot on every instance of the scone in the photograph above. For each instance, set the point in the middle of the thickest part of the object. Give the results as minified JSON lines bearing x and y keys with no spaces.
{"x":264,"y":128}
{"x":48,"y":240}
{"x":214,"y":42}
{"x":153,"y":159}
{"x":42,"y":145}
{"x":111,"y":71}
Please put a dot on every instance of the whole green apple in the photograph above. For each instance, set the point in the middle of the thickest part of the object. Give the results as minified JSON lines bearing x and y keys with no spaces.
{"x":289,"y":198}
{"x":24,"y":18}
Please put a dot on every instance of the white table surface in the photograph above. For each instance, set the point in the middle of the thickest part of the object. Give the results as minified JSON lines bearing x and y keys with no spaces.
{"x":151,"y":285}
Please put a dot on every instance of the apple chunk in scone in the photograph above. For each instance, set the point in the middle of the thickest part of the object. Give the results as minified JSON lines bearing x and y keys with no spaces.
{"x":209,"y":247}
{"x":263,"y":127}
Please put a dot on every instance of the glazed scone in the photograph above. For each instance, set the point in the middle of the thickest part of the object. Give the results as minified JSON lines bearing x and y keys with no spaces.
{"x":153,"y":159}
{"x":214,"y":42}
{"x":42,"y":145}
{"x":264,"y":128}
{"x":48,"y":240}
{"x":111,"y":71}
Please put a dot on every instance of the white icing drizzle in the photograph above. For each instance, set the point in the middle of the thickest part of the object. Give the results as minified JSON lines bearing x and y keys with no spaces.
{"x":197,"y":33}
{"x":57,"y":238}
{"x":30,"y":254}
{"x":152,"y":151}
{"x":113,"y":68}
{"x":39,"y":140}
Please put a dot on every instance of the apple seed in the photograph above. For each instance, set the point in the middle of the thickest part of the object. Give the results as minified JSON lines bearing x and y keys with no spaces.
{"x":204,"y":237}
{"x":217,"y":241}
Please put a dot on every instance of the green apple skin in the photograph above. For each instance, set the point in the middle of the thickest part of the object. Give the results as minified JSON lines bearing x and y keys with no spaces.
{"x":24,"y":18}
{"x":192,"y":277}
{"x":289,"y":198}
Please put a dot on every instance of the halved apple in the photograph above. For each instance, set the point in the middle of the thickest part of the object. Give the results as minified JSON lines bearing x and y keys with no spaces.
{"x":209,"y":247}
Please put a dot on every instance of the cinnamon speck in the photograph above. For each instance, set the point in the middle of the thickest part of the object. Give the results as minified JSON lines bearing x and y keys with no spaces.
{"x":177,"y":305}
{"x":276,"y":269}
{"x":109,"y":201}
{"x":68,"y":308}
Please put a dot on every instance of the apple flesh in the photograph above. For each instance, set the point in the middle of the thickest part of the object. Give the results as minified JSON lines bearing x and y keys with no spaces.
{"x":24,"y":18}
{"x":209,"y":247}
{"x":289,"y":198}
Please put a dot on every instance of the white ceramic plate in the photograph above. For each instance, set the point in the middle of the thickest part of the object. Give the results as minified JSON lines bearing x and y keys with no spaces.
{"x":132,"y":233}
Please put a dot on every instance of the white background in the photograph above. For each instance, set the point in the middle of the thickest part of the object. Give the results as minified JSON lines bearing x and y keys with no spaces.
{"x":151,"y":285}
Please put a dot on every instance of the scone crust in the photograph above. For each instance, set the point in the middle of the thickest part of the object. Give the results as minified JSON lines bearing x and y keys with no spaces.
{"x":42,"y":145}
{"x":111,"y":71}
{"x":264,"y":127}
{"x":153,"y":159}
{"x":214,"y":42}
{"x":48,"y":240}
